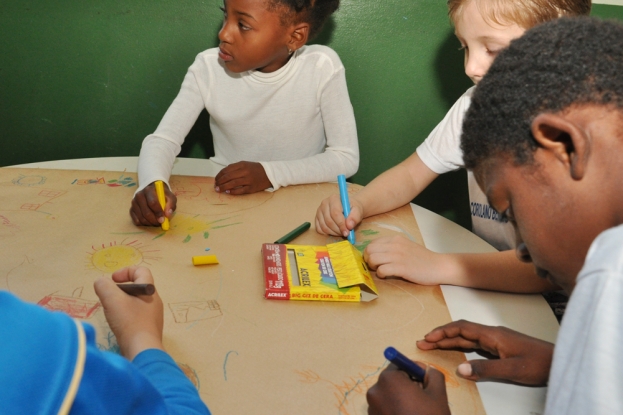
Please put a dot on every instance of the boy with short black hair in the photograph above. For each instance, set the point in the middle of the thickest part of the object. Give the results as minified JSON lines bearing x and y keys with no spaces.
{"x":544,"y":135}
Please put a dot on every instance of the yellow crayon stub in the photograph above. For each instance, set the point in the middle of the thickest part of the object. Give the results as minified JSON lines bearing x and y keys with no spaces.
{"x":205,"y":260}
{"x":163,"y":201}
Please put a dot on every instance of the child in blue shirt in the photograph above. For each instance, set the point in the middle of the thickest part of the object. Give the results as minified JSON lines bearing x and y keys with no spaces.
{"x":51,"y":364}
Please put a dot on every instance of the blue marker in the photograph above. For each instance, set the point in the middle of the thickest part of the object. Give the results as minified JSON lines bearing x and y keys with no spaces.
{"x":405,"y":364}
{"x":341,"y":182}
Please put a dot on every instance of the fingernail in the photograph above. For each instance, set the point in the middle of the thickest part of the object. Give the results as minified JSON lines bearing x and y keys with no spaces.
{"x":227,"y":191}
{"x":465,"y":369}
{"x":217,"y":189}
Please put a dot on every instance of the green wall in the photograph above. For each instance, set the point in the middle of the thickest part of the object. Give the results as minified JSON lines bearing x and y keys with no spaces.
{"x":89,"y":79}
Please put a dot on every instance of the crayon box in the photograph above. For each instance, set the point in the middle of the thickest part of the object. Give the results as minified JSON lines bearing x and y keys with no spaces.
{"x":336,"y":272}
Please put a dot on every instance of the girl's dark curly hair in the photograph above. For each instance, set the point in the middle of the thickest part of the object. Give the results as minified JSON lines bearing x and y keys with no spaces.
{"x":314,"y":12}
{"x":559,"y":64}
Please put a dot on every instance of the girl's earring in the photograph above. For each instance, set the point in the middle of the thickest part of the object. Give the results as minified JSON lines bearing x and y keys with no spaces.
{"x":290,"y":51}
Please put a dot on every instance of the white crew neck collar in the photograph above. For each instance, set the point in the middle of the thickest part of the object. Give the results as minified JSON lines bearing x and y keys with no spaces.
{"x":279,"y":74}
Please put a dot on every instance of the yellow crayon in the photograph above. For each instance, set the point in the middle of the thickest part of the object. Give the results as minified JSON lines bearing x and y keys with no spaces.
{"x":205,"y":260}
{"x":163,"y":201}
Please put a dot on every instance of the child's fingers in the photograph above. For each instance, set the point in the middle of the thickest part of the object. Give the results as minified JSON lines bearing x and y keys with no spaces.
{"x":231,"y":172}
{"x":171,"y":204}
{"x":107,"y":291}
{"x":435,"y":384}
{"x":230,"y":182}
{"x":142,"y":214}
{"x":135,"y":274}
{"x":324,"y":221}
{"x":241,"y":190}
{"x":146,"y":207}
{"x":337,"y":221}
{"x":124,"y":275}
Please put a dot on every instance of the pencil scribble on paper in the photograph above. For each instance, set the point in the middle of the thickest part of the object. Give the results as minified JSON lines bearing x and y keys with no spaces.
{"x":225,"y":362}
{"x":111,"y":344}
{"x":350,"y":391}
{"x":190,"y":373}
{"x":75,"y":306}
{"x":122,"y":181}
{"x":188,"y":311}
{"x":33,"y":198}
{"x":28,"y":181}
{"x":7,"y":228}
{"x":202,"y":189}
{"x":186,"y":226}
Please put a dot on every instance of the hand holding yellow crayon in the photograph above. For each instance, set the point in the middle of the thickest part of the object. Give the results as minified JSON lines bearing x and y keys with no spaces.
{"x":163,"y":201}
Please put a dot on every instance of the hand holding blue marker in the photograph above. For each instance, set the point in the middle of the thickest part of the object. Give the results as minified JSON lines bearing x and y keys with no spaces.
{"x":405,"y":364}
{"x":341,"y":182}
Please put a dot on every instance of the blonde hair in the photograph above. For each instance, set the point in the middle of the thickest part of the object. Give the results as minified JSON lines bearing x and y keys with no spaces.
{"x":524,"y":13}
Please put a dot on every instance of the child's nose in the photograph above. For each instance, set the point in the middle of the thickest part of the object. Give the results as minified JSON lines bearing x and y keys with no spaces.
{"x":224,"y":33}
{"x":474,"y":68}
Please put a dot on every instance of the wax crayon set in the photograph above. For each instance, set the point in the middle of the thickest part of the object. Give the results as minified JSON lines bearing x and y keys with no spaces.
{"x":336,"y":272}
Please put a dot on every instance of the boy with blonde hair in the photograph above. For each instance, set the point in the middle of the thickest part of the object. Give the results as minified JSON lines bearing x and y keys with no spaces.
{"x":484,"y":28}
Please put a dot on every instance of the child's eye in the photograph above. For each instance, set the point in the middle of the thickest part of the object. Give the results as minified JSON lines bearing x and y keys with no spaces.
{"x":224,"y":11}
{"x":493,"y":52}
{"x":243,"y":26}
{"x":463,"y":47}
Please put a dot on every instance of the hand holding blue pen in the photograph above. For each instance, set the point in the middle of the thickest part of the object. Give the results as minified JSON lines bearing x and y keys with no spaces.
{"x":341,"y":182}
{"x":405,"y":364}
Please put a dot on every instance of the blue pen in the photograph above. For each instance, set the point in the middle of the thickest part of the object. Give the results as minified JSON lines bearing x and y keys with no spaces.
{"x":341,"y":182}
{"x":405,"y":364}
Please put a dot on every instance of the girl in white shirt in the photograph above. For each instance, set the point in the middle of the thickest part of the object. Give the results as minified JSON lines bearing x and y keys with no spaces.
{"x":279,"y":110}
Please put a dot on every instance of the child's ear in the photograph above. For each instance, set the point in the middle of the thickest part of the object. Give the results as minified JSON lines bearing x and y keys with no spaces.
{"x":298,"y":36}
{"x":567,"y":141}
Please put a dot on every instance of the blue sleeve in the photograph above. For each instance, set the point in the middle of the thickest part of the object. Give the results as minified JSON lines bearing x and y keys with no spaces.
{"x":179,"y":393}
{"x":151,"y":385}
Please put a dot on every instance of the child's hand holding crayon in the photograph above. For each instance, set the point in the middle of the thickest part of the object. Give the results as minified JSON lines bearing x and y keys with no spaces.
{"x":241,"y":178}
{"x":396,"y":393}
{"x":330,"y":216}
{"x":146,"y":209}
{"x":136,"y":321}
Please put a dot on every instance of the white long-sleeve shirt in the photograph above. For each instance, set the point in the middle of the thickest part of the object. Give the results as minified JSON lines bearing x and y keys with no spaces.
{"x":298,"y":121}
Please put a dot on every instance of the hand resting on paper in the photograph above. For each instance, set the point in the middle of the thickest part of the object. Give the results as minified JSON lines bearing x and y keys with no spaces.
{"x":330,"y":217}
{"x":241,"y":178}
{"x":146,"y":209}
{"x":517,"y":358}
{"x":395,"y":393}
{"x":136,"y":321}
{"x":396,"y":256}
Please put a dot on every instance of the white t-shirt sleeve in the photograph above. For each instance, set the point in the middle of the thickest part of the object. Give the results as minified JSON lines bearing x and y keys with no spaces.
{"x":441,"y":151}
{"x":586,"y":376}
{"x":159,"y":149}
{"x":341,"y":154}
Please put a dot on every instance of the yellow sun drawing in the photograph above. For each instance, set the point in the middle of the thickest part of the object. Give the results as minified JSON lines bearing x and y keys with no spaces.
{"x":114,"y":256}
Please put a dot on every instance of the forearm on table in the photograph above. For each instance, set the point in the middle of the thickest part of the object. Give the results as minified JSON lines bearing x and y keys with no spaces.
{"x":319,"y":168}
{"x":495,"y":271}
{"x":396,"y":187}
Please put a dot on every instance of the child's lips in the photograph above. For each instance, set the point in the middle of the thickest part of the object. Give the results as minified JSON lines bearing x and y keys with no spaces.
{"x":224,"y":55}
